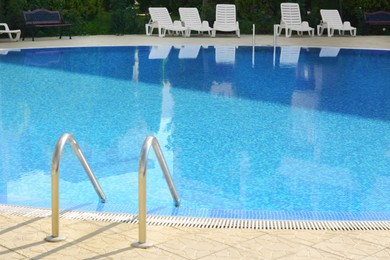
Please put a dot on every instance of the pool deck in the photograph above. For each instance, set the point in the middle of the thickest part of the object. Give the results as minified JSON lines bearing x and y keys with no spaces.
{"x":377,"y":42}
{"x":22,"y":237}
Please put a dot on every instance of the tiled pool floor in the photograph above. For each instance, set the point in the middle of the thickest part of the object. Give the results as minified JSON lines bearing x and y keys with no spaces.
{"x":23,"y":237}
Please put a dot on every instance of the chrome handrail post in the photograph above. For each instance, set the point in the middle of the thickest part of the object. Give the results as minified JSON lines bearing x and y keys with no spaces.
{"x":55,"y":190}
{"x":150,"y":141}
{"x":88,"y":170}
{"x":55,"y":169}
{"x":164,"y":168}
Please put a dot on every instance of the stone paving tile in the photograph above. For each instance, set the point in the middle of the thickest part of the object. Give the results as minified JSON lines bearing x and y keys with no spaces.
{"x":233,"y":253}
{"x":103,"y":242}
{"x":312,"y":253}
{"x":64,"y":251}
{"x":192,"y":246}
{"x":306,"y":237}
{"x":226,"y":236}
{"x":383,"y":254}
{"x":347,"y":245}
{"x":272,"y":247}
{"x":245,"y":40}
{"x":137,"y":253}
{"x":5,"y":253}
{"x":381,"y":237}
{"x":23,"y":238}
{"x":160,"y":234}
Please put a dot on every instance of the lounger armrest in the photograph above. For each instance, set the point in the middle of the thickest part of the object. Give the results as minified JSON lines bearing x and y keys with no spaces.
{"x":205,"y":24}
{"x":347,"y":25}
{"x":305,"y":25}
{"x":6,"y":28}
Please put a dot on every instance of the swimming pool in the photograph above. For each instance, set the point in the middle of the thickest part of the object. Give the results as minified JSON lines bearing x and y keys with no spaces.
{"x":284,"y":133}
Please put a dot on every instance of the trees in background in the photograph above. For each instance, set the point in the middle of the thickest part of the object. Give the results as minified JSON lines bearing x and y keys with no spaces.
{"x":128,"y":16}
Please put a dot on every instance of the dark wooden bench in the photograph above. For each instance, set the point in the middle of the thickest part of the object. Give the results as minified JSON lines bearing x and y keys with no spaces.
{"x":41,"y":18}
{"x":377,"y":18}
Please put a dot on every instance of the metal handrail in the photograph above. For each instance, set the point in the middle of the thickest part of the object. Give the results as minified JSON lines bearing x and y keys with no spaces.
{"x":55,"y":181}
{"x":150,"y":141}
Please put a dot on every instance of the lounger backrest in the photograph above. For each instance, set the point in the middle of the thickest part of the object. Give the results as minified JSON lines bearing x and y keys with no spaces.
{"x":225,"y":14}
{"x":161,"y":16}
{"x":291,"y":14}
{"x":190,"y":16}
{"x":331,"y":17}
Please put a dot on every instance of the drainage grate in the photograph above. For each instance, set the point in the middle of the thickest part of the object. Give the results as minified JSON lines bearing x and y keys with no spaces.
{"x":198,"y":222}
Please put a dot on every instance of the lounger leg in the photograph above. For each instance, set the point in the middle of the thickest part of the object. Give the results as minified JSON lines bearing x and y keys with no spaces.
{"x":278,"y":30}
{"x":319,"y":30}
{"x":147,"y":28}
{"x":161,"y":32}
{"x":17,"y":36}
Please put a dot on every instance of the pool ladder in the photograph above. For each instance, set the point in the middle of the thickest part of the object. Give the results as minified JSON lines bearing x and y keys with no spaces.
{"x":149,"y":142}
{"x":55,"y":168}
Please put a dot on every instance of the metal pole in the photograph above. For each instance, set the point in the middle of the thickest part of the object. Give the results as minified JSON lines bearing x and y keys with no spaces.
{"x":55,"y":208}
{"x":253,"y":34}
{"x":150,"y":141}
{"x":253,"y":44}
{"x":275,"y":29}
{"x":87,"y":169}
{"x":55,"y":168}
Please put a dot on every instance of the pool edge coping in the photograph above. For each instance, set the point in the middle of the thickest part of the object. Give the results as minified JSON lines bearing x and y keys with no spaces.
{"x":200,"y":222}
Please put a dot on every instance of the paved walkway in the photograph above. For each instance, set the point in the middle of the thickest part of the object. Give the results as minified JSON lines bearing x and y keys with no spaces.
{"x":22,"y":237}
{"x":379,"y":42}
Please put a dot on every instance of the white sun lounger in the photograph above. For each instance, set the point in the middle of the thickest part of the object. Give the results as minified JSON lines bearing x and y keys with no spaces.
{"x":160,"y":19}
{"x":5,"y":29}
{"x":331,"y":21}
{"x":225,"y":19}
{"x":291,"y":20}
{"x":191,"y":19}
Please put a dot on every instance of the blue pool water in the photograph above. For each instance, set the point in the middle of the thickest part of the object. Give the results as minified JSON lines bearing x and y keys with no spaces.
{"x":284,"y":133}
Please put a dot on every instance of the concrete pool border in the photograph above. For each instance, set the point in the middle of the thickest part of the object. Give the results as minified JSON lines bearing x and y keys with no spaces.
{"x":200,"y":222}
